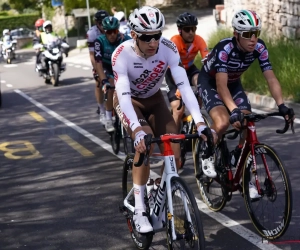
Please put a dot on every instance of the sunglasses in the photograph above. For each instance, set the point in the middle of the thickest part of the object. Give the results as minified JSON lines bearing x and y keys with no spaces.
{"x":249,"y":34}
{"x":188,"y":29}
{"x":149,"y":38}
{"x":109,"y":32}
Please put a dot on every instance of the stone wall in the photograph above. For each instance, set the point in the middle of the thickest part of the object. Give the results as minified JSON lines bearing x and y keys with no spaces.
{"x":58,"y":20}
{"x":279,"y":17}
{"x":180,"y":3}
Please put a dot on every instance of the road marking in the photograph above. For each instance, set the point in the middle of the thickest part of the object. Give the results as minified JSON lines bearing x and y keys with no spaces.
{"x":86,"y":68}
{"x":37,"y":116}
{"x":224,"y":220}
{"x":10,"y":65}
{"x":3,"y":81}
{"x":70,"y":64}
{"x":75,"y":145}
{"x":29,"y":63}
{"x":9,"y":85}
{"x":77,"y":66}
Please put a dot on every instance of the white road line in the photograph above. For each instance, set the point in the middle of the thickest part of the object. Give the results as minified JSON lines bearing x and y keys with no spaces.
{"x":9,"y":85}
{"x":86,"y":68}
{"x":222,"y":219}
{"x":10,"y":65}
{"x":77,"y":66}
{"x":3,"y":81}
{"x":70,"y":64}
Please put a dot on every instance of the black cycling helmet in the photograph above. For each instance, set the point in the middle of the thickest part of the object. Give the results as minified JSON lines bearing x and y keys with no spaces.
{"x":110,"y":23}
{"x":100,"y":15}
{"x":186,"y":19}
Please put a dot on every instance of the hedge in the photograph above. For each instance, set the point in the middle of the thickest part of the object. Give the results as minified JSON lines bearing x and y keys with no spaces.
{"x":14,"y":22}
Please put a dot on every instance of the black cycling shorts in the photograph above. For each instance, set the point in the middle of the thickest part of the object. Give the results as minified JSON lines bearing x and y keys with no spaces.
{"x":171,"y":86}
{"x":211,"y":98}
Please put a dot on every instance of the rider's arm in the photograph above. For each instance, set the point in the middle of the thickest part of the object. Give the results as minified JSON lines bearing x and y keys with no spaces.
{"x":274,"y":86}
{"x":182,"y":82}
{"x":123,"y":91}
{"x":223,"y":91}
{"x":202,"y":47}
{"x":91,"y":44}
{"x":98,"y":60}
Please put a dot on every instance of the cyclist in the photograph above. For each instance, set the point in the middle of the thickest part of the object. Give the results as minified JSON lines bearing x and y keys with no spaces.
{"x":104,"y":47}
{"x":220,"y":85}
{"x":189,"y":45}
{"x":36,"y":39}
{"x":120,"y":15}
{"x":139,"y":66}
{"x":92,"y":34}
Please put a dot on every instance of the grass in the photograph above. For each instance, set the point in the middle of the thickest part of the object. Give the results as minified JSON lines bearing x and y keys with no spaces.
{"x":285,"y":59}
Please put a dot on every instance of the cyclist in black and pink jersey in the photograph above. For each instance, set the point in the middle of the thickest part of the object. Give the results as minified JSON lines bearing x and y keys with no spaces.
{"x":139,"y":66}
{"x":219,"y":80}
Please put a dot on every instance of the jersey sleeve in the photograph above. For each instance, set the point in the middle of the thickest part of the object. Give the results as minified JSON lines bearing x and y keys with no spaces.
{"x":182,"y":82}
{"x":122,"y":86}
{"x":90,"y":40}
{"x":202,"y":47}
{"x":263,"y":56}
{"x":97,"y":51}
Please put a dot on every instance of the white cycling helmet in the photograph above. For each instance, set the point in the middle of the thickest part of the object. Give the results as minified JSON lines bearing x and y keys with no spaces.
{"x":146,"y":19}
{"x":246,"y":20}
{"x":5,"y":31}
{"x":119,"y":15}
{"x":46,"y":23}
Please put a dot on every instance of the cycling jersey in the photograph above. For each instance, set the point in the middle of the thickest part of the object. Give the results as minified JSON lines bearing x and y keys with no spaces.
{"x":124,"y":28}
{"x":226,"y":57}
{"x":141,"y":78}
{"x":104,"y":49}
{"x":187,"y":55}
{"x":92,"y":34}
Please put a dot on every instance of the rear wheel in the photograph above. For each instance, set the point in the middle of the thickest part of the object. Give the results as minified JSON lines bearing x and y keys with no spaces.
{"x":141,"y":241}
{"x":55,"y":75}
{"x":115,"y":137}
{"x":271,"y":212}
{"x":187,"y":221}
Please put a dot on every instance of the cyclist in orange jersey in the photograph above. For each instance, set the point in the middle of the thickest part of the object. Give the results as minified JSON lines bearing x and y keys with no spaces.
{"x":189,"y":45}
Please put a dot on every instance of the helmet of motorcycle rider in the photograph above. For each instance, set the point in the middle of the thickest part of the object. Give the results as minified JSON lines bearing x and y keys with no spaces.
{"x":39,"y":24}
{"x":5,"y":32}
{"x":120,"y":15}
{"x":47,"y":26}
{"x":100,"y":15}
{"x":110,"y":23}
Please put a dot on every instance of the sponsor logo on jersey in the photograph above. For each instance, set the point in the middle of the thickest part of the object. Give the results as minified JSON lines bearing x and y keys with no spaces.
{"x":239,"y":101}
{"x":259,"y":47}
{"x":115,"y":76}
{"x":169,"y":44}
{"x":117,"y":53}
{"x":264,"y":55}
{"x":223,"y":56}
{"x":228,"y":47}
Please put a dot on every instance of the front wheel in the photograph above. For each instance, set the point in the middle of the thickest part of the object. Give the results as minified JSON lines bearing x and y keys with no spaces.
{"x":271,"y":209}
{"x":55,"y":74}
{"x":115,"y":137}
{"x":187,"y":221}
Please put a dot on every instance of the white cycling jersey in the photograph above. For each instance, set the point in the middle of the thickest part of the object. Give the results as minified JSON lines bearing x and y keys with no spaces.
{"x":124,"y":28}
{"x":139,"y":77}
{"x":91,"y":36}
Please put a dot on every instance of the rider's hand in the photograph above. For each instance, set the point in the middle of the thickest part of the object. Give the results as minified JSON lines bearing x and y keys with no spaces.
{"x":96,"y":76}
{"x":236,"y":118}
{"x":288,"y":113}
{"x":105,"y":84}
{"x":202,"y":133}
{"x":139,"y":142}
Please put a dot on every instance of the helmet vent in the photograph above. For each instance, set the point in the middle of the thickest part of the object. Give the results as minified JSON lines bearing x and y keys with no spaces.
{"x":144,"y":16}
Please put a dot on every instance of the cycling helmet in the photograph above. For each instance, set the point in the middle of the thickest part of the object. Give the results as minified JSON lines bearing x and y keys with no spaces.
{"x":246,"y":20}
{"x":39,"y":23}
{"x":110,"y":23}
{"x":5,"y":32}
{"x":186,"y":19}
{"x":146,"y":19}
{"x":100,"y":15}
{"x":119,"y":15}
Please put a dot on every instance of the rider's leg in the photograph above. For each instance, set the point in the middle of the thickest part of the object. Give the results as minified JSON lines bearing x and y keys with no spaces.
{"x":109,"y":107}
{"x":177,"y":114}
{"x":100,"y":101}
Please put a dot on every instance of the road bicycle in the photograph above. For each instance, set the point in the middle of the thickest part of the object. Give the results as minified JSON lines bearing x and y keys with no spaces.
{"x":258,"y":164}
{"x":172,"y":206}
{"x":119,"y":134}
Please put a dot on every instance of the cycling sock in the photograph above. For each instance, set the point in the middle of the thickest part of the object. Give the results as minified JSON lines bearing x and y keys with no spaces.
{"x":101,"y":107}
{"x":108,"y":115}
{"x":139,"y":197}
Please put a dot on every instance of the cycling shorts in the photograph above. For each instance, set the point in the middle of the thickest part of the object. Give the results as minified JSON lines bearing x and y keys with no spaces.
{"x":171,"y":86}
{"x":211,"y":98}
{"x":152,"y":111}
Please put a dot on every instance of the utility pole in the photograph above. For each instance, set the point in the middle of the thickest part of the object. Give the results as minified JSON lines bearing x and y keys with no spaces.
{"x":88,"y":12}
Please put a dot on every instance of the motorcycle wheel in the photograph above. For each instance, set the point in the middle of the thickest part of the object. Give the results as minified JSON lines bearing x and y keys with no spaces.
{"x":55,"y":76}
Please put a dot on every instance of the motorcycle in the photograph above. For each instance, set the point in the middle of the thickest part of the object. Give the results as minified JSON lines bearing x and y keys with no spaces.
{"x":8,"y":49}
{"x":53,"y":58}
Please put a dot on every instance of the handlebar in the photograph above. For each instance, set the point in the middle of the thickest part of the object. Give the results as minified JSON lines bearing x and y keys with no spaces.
{"x":257,"y":117}
{"x":175,"y":138}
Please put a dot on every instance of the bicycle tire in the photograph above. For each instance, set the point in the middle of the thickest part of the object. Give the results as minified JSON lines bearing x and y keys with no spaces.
{"x":210,"y":189}
{"x":183,"y":228}
{"x":268,"y":225}
{"x":127,"y":143}
{"x":115,"y":138}
{"x":141,"y":241}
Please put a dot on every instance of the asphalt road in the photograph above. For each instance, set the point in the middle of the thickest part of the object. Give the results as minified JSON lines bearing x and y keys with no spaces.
{"x":61,"y":184}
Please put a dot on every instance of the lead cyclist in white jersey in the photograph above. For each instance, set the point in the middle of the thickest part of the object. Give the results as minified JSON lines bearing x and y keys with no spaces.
{"x":139,"y":66}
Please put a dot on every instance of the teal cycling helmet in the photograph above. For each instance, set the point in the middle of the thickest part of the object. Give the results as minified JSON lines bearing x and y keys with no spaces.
{"x":110,"y":23}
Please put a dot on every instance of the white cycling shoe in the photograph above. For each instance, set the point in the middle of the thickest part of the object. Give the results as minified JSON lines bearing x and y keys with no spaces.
{"x":208,"y":167}
{"x":141,"y":222}
{"x":253,"y":191}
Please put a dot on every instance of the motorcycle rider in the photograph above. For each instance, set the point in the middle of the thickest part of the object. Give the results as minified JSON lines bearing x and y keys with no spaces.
{"x":120,"y":15}
{"x":6,"y":37}
{"x":36,"y":40}
{"x":92,"y":34}
{"x":104,"y":47}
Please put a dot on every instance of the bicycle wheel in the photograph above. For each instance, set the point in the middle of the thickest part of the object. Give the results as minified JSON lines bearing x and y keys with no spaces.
{"x":271,"y":213}
{"x":115,"y":137}
{"x":187,"y":221}
{"x":211,"y":190}
{"x":127,"y":142}
{"x":141,"y":241}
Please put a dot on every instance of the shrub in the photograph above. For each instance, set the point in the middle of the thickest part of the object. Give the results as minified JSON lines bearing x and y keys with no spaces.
{"x":13,"y":22}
